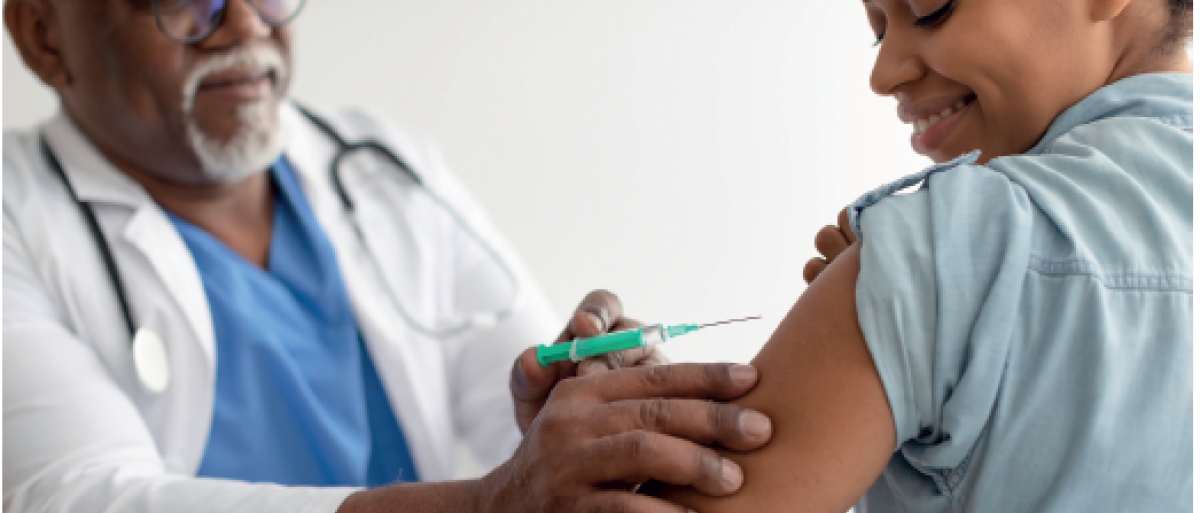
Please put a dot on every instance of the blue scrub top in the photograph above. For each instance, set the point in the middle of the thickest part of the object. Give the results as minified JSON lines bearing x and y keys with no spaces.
{"x":298,"y":400}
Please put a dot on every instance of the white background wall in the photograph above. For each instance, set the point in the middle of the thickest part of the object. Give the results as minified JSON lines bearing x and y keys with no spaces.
{"x":682,"y":153}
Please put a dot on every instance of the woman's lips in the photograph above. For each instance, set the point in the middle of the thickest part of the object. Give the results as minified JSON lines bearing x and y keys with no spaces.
{"x":927,"y":141}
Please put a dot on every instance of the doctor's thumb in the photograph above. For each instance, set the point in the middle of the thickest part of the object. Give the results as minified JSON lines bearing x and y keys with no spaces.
{"x":531,"y":384}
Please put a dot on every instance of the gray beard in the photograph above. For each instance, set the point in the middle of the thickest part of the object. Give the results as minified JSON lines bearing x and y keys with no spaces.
{"x":258,"y":143}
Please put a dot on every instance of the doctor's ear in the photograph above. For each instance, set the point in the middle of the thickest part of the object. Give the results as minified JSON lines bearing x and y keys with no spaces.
{"x":37,"y":34}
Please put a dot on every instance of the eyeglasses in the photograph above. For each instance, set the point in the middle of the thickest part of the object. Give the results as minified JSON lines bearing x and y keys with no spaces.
{"x":189,"y":21}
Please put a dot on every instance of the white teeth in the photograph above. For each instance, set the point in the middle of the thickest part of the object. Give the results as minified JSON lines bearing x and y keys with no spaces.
{"x":922,"y":125}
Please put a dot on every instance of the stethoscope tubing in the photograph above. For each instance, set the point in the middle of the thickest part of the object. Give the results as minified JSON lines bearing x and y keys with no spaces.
{"x":156,"y":379}
{"x":345,"y":149}
{"x":106,"y":254}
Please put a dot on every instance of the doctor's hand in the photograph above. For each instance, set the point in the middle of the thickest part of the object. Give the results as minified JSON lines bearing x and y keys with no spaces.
{"x":831,"y":241}
{"x":598,"y":436}
{"x":600,"y":312}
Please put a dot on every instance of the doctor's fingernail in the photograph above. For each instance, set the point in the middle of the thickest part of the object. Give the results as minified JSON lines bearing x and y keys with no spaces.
{"x":731,"y":475}
{"x":598,"y":322}
{"x":743,"y":374}
{"x":754,"y":424}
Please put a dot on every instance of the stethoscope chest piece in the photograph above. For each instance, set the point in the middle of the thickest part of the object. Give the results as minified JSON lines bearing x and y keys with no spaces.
{"x":150,"y":360}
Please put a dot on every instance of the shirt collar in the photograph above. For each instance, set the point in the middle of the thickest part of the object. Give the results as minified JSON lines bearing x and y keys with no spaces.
{"x":1166,"y":96}
{"x":92,"y":176}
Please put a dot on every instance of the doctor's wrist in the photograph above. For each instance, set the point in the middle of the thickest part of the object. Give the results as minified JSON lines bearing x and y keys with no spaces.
{"x":444,"y":497}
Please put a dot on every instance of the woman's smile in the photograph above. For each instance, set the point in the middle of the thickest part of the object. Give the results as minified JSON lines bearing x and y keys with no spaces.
{"x":934,"y":119}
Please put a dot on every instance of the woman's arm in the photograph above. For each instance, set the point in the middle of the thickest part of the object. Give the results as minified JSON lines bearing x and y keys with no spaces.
{"x":833,"y":426}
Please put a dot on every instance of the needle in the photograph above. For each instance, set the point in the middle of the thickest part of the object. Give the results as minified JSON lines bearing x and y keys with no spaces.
{"x":730,"y":321}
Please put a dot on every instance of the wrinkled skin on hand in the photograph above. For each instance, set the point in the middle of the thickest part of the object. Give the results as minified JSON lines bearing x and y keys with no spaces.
{"x":599,"y":313}
{"x":598,"y":436}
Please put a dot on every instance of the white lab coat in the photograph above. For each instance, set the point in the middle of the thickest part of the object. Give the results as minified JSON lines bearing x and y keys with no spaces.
{"x":82,"y":434}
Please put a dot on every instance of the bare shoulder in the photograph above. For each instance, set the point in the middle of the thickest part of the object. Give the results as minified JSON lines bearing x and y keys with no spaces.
{"x":833,"y":427}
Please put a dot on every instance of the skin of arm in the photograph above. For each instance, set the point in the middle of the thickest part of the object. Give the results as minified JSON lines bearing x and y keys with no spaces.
{"x":834,"y":431}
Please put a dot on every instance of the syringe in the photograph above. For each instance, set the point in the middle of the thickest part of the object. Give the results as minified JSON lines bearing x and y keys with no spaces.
{"x":580,"y":348}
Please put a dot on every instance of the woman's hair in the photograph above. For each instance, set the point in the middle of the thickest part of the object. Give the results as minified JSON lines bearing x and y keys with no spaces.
{"x":1179,"y":25}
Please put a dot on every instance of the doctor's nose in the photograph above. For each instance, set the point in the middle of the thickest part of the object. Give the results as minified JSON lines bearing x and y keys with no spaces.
{"x":242,"y":23}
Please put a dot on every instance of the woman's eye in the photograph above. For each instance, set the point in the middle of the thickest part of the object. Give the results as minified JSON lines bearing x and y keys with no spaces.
{"x":936,"y":18}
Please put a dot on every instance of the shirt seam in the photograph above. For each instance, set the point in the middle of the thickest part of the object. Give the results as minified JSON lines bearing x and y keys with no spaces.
{"x":1163,"y":282}
{"x":1178,"y":121}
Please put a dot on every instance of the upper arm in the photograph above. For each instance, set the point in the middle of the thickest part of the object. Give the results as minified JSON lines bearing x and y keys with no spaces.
{"x":833,"y":427}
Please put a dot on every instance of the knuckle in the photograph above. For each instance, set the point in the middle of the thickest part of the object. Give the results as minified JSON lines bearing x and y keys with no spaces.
{"x":720,"y":374}
{"x":554,"y":421}
{"x":639,"y":446}
{"x":654,"y":414}
{"x":657,"y":378}
{"x":605,"y":297}
{"x":616,"y":360}
{"x":567,"y":389}
{"x":724,"y":418}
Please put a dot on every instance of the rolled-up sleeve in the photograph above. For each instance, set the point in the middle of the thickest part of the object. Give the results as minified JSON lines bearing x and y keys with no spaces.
{"x":938,"y":298}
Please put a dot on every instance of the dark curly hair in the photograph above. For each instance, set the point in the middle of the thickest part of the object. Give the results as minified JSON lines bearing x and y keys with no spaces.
{"x":1179,"y":25}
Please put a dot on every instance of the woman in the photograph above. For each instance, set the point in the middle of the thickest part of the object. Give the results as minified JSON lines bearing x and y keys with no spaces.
{"x":1016,"y":335}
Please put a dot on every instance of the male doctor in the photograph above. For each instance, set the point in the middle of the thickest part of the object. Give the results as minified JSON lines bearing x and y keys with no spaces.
{"x":199,"y":317}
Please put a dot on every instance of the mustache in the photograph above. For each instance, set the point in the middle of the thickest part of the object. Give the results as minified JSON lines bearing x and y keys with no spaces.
{"x":259,"y":58}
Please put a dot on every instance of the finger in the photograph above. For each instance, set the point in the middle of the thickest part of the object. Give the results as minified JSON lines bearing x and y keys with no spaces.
{"x":594,"y":316}
{"x":609,"y":361}
{"x":814,"y":268}
{"x":844,"y":225}
{"x":721,"y":381}
{"x":637,"y":456}
{"x":634,"y":357}
{"x":830,"y":242}
{"x":625,"y":323}
{"x":653,"y":356}
{"x":613,"y":501}
{"x":531,"y":384}
{"x":626,"y":358}
{"x":703,"y":422}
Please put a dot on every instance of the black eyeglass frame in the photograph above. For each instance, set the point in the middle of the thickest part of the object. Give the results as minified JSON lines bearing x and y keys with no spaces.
{"x":158,"y":18}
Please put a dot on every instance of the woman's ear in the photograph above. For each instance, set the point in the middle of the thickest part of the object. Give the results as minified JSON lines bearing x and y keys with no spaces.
{"x":37,"y":35}
{"x":1106,"y":10}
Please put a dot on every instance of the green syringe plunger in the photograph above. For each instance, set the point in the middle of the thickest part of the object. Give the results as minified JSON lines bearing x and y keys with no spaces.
{"x":580,"y":348}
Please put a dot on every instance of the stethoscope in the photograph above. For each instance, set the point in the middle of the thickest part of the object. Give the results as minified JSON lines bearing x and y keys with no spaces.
{"x":149,"y":353}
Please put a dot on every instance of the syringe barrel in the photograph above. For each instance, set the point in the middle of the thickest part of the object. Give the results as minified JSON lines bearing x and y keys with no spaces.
{"x":583,"y":348}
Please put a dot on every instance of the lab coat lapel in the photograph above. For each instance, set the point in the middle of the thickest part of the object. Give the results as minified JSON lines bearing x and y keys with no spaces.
{"x":412,"y":379}
{"x":147,"y":229}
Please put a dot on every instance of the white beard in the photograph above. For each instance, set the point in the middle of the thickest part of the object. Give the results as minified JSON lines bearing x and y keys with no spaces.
{"x":257,"y":144}
{"x":260,"y":138}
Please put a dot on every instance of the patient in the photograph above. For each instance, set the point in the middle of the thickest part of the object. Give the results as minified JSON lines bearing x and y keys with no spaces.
{"x":1016,"y":335}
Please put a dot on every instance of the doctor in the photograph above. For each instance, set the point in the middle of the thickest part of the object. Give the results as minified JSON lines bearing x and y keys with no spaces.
{"x":211,"y":305}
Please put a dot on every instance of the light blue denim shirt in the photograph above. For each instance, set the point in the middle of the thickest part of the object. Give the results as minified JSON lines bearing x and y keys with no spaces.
{"x":1031,"y":318}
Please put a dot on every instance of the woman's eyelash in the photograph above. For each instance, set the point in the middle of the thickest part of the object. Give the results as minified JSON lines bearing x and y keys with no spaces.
{"x":935,"y":18}
{"x":932,"y":19}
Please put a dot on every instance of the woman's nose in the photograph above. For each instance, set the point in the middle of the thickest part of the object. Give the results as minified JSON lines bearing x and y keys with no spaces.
{"x":895,"y":65}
